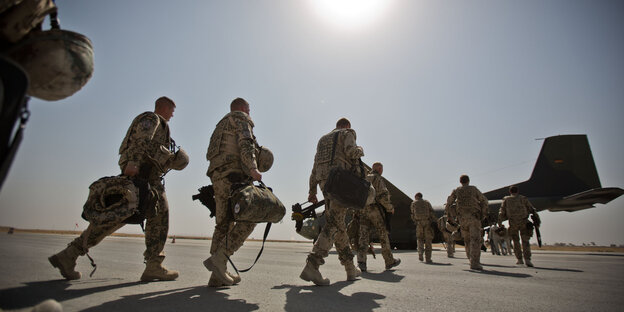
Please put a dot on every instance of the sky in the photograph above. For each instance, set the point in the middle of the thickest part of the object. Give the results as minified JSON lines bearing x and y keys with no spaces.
{"x":434,"y":89}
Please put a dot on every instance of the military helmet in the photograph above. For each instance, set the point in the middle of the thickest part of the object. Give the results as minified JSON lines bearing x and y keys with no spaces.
{"x":180,"y":160}
{"x":264,"y":159}
{"x":20,"y":17}
{"x":111,"y":200}
{"x":58,"y":62}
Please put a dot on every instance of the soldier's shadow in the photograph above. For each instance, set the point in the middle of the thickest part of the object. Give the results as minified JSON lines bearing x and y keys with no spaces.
{"x":384,"y":276}
{"x":328,"y":298}
{"x":34,"y":292}
{"x":198,"y":298}
{"x":499,"y":273}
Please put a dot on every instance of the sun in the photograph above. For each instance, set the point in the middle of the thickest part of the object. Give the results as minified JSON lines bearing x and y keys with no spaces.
{"x":350,"y":14}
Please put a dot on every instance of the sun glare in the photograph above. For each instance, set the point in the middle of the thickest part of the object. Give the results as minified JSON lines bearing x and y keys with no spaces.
{"x":350,"y":14}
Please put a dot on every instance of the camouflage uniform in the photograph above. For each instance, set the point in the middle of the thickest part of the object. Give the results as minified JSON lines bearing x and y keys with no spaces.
{"x":517,"y":208}
{"x":471,"y":211}
{"x":346,"y":156}
{"x":448,"y":237}
{"x":371,"y":218}
{"x":232,"y":154}
{"x":147,"y":133}
{"x":423,"y":216}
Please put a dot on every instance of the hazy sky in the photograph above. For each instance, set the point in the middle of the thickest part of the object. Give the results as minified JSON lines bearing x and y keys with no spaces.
{"x":434,"y":89}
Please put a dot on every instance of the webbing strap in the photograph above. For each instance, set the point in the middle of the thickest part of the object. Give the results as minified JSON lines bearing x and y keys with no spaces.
{"x":266,"y":233}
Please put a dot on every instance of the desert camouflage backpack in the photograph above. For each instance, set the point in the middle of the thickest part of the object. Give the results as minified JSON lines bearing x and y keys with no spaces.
{"x":117,"y":199}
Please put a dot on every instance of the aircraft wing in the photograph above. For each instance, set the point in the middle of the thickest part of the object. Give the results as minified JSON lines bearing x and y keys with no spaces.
{"x":587,"y":199}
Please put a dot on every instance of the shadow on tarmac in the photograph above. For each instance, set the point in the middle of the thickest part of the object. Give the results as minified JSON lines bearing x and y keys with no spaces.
{"x":386,"y":276}
{"x":498,"y":273}
{"x":558,"y":269}
{"x":35,"y":292}
{"x":328,"y":298}
{"x":199,"y":298}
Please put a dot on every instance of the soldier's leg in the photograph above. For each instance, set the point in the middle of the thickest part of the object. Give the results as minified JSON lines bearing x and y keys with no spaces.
{"x":217,"y":262}
{"x":513,"y":233}
{"x":363,"y":242}
{"x":476,"y":240}
{"x":420,"y":241}
{"x":65,"y":260}
{"x":525,"y":235}
{"x":321,"y":249}
{"x":342,"y":243}
{"x":428,"y":239}
{"x":156,"y":229}
{"x":380,"y":227}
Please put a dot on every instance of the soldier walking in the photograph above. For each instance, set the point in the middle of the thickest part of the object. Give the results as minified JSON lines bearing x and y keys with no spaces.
{"x":147,"y":141}
{"x":471,"y":211}
{"x":373,"y":217}
{"x":517,"y":209}
{"x":335,"y":149}
{"x":424,"y":217}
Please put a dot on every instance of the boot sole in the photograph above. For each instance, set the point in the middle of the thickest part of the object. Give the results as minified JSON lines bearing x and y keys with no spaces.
{"x":148,"y":278}
{"x":54,"y":261}
{"x":226,"y":280}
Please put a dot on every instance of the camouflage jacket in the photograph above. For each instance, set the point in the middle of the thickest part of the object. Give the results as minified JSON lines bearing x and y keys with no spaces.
{"x":382,"y":196}
{"x":422,"y":211}
{"x":232,"y":146}
{"x":147,"y":133}
{"x":471,"y":203}
{"x":346,"y":155}
{"x":515,"y":207}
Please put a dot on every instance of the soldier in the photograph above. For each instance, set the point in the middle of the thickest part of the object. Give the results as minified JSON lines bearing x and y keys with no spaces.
{"x":424,"y":218}
{"x":471,"y":212}
{"x":447,"y":234}
{"x":146,"y":140}
{"x":517,"y":209}
{"x":232,"y":155}
{"x":373,"y":217}
{"x":335,"y":149}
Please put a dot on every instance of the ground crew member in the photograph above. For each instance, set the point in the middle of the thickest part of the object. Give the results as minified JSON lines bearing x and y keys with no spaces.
{"x":496,"y":241}
{"x":232,"y":155}
{"x":372,"y":217}
{"x":471,"y":211}
{"x":424,"y":217}
{"x":335,"y":149}
{"x":517,"y":209}
{"x":147,"y":136}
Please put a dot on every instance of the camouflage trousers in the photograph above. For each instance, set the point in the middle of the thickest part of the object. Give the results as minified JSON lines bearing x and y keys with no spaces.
{"x":334,"y":232}
{"x":228,"y":235}
{"x":473,"y":238}
{"x":156,"y":229}
{"x":450,"y":243}
{"x":371,"y":219}
{"x":525,"y":235}
{"x":424,"y":236}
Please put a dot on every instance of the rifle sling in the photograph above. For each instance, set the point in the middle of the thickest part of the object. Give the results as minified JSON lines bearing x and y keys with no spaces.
{"x":266,"y":233}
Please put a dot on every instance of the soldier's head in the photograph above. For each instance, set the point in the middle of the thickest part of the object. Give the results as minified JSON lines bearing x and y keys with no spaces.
{"x":343,"y":123}
{"x":378,"y":167}
{"x":164,"y":107}
{"x":239,"y":105}
{"x":464,"y":179}
{"x":418,"y":195}
{"x":513,"y":190}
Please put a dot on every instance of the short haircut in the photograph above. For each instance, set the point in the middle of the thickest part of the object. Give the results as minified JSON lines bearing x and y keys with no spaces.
{"x":343,"y":122}
{"x":463,"y":179}
{"x":513,"y":189}
{"x":419,"y":195}
{"x":238,"y":104}
{"x":377,"y":164}
{"x":163,"y":100}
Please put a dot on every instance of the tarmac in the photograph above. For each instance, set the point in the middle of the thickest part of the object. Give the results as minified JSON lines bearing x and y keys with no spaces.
{"x":560,"y":281}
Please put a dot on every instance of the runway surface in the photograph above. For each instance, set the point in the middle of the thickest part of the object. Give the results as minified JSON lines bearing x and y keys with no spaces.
{"x":560,"y":281}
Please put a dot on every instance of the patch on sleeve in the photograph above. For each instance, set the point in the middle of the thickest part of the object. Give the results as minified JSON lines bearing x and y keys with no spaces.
{"x":146,"y":123}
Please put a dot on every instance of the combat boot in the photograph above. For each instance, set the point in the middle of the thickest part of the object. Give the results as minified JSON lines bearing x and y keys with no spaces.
{"x":420,"y":257}
{"x":528,"y":262}
{"x":476,"y":266}
{"x":65,"y":261}
{"x":428,"y":256}
{"x":352,"y":271}
{"x":396,"y":262}
{"x":216,"y":282}
{"x":217,"y":265}
{"x":154,"y":270}
{"x":311,"y":273}
{"x":362,"y":266}
{"x":519,"y":261}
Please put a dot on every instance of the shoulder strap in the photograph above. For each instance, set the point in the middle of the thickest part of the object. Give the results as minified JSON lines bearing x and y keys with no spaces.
{"x":333,"y":153}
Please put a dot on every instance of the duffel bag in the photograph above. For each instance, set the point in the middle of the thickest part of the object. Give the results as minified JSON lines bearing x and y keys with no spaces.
{"x":348,"y":188}
{"x":256,"y":203}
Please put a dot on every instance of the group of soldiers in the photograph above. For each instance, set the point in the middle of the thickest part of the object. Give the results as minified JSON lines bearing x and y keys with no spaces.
{"x":234,"y":156}
{"x":465,"y":214}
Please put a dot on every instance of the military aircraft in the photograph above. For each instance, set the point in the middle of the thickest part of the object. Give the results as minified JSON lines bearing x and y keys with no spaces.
{"x":564,"y":179}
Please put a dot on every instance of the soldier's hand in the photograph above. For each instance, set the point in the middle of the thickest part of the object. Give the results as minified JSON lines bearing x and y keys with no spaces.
{"x":255,"y":174}
{"x":131,"y":170}
{"x":312,"y":198}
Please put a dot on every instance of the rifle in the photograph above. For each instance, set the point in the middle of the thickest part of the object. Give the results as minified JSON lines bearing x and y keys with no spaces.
{"x":206,"y":197}
{"x":300,"y":213}
{"x":536,"y":223}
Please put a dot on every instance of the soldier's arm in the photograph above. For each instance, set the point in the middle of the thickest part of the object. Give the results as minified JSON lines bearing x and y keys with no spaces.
{"x":413,"y":212}
{"x":502,"y":212}
{"x":383,"y":196}
{"x":450,"y":200}
{"x":313,"y":182}
{"x":431,"y":212}
{"x":351,"y":150}
{"x":139,"y":143}
{"x":531,"y":209}
{"x":247,"y":145}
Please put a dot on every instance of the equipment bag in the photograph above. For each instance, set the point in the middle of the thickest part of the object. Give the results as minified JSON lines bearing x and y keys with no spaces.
{"x":347,"y":187}
{"x":256,"y":203}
